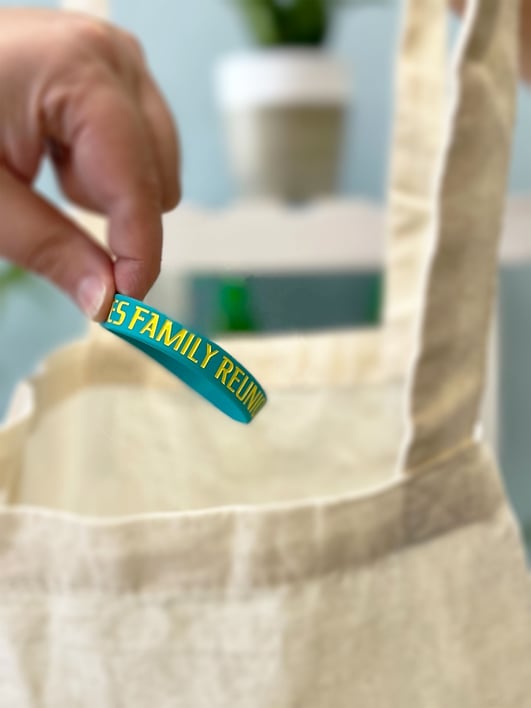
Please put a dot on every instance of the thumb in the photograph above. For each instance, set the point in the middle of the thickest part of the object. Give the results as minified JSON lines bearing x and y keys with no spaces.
{"x":36,"y":236}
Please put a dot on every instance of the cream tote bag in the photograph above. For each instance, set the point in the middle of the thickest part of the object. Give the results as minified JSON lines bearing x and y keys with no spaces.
{"x":352,"y":547}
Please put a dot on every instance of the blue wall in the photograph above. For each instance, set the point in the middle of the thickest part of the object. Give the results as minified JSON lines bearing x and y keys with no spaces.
{"x":184,"y":48}
{"x":183,"y":41}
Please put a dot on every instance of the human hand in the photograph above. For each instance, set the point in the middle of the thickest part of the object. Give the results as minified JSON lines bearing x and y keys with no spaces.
{"x":525,"y":34}
{"x":79,"y":89}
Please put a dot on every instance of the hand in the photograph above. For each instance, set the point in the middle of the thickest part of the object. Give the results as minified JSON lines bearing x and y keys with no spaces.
{"x":525,"y":34}
{"x":79,"y":89}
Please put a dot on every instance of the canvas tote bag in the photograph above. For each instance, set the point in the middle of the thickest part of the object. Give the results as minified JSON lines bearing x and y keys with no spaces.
{"x":154,"y":553}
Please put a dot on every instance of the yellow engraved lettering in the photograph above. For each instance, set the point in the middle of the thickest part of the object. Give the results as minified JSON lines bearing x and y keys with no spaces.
{"x":211,"y":352}
{"x":225,"y":368}
{"x":170,"y":339}
{"x":186,"y":345}
{"x":118,"y":306}
{"x":258,"y":405}
{"x":151,"y":326}
{"x":250,"y":396}
{"x":242,"y":385}
{"x":234,"y":378}
{"x":245,"y":395}
{"x":194,"y":349}
{"x":138,"y":316}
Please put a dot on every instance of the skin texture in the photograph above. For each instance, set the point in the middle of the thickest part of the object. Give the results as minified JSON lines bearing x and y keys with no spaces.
{"x":79,"y":89}
{"x":525,"y":34}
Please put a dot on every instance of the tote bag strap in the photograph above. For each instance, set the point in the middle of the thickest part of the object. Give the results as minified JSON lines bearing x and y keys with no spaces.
{"x":420,"y":90}
{"x":448,"y":370}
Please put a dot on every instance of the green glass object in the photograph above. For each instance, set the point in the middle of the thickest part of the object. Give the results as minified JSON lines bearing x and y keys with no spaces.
{"x":235,"y":312}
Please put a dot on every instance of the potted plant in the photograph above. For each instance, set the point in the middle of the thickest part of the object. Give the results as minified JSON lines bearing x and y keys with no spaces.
{"x":284,"y":102}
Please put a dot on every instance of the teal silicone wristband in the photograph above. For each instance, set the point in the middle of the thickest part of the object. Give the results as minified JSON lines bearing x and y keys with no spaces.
{"x":197,"y":361}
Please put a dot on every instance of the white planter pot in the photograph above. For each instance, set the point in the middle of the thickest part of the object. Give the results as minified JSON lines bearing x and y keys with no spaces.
{"x":284,"y":113}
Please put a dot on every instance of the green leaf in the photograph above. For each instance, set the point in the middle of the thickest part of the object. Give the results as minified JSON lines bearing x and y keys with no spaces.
{"x":304,"y":22}
{"x":11,"y":275}
{"x":259,"y":15}
{"x":292,"y":22}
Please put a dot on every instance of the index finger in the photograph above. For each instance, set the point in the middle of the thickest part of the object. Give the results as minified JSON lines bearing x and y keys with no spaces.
{"x":112,"y":167}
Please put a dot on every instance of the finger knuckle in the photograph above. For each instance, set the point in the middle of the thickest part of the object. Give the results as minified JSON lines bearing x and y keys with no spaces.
{"x":96,"y":36}
{"x":134,"y":45}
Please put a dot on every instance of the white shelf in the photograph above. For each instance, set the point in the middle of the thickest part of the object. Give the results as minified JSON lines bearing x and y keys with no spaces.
{"x":262,"y":236}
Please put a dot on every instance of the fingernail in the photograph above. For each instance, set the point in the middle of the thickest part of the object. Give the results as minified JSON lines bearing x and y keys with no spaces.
{"x":91,"y":295}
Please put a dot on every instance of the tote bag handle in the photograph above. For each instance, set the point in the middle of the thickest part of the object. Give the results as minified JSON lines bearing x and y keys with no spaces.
{"x":448,"y":368}
{"x":420,"y":100}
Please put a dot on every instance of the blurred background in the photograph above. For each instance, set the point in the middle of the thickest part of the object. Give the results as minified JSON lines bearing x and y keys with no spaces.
{"x":284,"y":108}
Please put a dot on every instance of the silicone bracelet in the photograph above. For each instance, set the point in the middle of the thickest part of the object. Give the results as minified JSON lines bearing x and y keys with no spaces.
{"x":197,"y":361}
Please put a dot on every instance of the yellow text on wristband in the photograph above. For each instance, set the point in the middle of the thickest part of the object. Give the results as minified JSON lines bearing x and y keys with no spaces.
{"x":196,"y":360}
